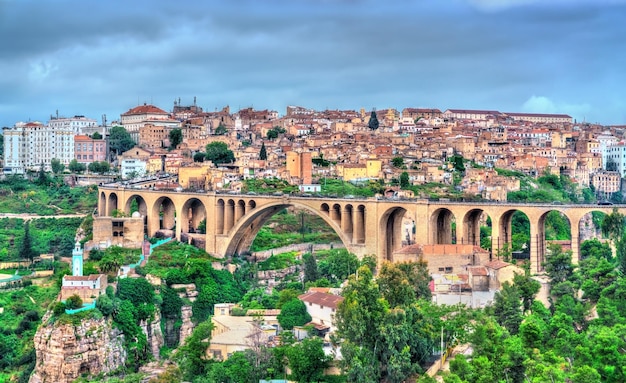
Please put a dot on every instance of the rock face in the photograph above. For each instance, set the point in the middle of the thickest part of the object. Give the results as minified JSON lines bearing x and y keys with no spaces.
{"x":67,"y":351}
{"x":187,"y":327}
{"x":154,"y":335}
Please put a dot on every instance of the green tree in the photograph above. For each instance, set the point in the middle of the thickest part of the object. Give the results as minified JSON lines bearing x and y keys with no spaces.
{"x":373,"y":122}
{"x":311,"y":272}
{"x":26,"y":249}
{"x":307,"y":360}
{"x":293,"y":313}
{"x":263,"y":153}
{"x":558,"y":264}
{"x":397,"y":162}
{"x":104,"y":304}
{"x":192,"y":355}
{"x":596,"y":249}
{"x":176,"y":137}
{"x":96,"y":136}
{"x":199,"y":157}
{"x":57,"y":166}
{"x":527,"y":288}
{"x":218,"y":153}
{"x":120,"y":140}
{"x":42,"y":177}
{"x":404,"y":180}
{"x":99,"y":167}
{"x":338,"y":265}
{"x":221,"y":130}
{"x":76,"y":167}
{"x":74,"y":302}
{"x":507,"y":308}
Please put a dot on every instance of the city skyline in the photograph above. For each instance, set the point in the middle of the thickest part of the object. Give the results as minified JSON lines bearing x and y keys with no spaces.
{"x":93,"y":58}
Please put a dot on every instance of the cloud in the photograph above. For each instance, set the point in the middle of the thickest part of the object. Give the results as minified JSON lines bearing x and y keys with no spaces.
{"x":542,"y":104}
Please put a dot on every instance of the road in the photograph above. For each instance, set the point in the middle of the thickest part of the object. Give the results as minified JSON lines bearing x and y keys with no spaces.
{"x":28,"y":216}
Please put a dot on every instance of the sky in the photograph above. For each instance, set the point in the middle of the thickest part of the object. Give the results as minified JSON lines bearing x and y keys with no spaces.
{"x":95,"y":58}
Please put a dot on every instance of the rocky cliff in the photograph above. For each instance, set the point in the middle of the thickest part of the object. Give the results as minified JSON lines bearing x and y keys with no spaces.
{"x":67,"y":351}
{"x":154,"y":335}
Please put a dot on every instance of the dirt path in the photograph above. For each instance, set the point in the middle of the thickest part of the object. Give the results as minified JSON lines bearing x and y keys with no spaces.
{"x":29,"y":216}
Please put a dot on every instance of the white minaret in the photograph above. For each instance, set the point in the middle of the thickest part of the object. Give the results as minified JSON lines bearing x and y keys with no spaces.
{"x":77,"y":261}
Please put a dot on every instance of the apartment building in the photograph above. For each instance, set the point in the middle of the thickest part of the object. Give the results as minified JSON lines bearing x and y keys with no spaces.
{"x":88,"y":150}
{"x":540,"y":118}
{"x":31,"y":144}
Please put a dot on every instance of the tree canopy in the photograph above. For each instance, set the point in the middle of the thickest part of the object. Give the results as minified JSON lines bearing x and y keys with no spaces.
{"x":218,"y":153}
{"x":120,"y":140}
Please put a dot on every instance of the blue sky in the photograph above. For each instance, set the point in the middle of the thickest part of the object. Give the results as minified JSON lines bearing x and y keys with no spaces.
{"x":104,"y":57}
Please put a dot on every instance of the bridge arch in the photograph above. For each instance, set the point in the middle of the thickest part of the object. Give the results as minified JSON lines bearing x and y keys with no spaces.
{"x":111,"y":204}
{"x":245,"y":230}
{"x":441,"y":227}
{"x":102,"y":204}
{"x":391,"y":231}
{"x":192,"y":214}
{"x":472,"y":222}
{"x":164,"y":211}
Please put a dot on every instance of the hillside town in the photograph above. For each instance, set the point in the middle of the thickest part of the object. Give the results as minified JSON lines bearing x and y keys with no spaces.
{"x":355,"y":145}
{"x":174,"y":293}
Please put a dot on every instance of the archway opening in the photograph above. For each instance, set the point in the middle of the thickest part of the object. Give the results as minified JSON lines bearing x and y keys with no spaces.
{"x":398,"y":235}
{"x":554,"y":228}
{"x":443,"y":226}
{"x":136,"y":204}
{"x":112,"y":205}
{"x":476,"y":230}
{"x":593,"y":242}
{"x":102,"y":204}
{"x":514,"y":240}
{"x":165,"y":210}
{"x":193,"y":223}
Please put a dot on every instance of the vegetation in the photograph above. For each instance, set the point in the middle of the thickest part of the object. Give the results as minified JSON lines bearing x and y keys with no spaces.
{"x":218,"y":153}
{"x":18,"y":195}
{"x":176,"y":137}
{"x":120,"y":140}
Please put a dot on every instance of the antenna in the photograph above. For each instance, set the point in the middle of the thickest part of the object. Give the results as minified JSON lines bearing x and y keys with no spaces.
{"x":104,"y":120}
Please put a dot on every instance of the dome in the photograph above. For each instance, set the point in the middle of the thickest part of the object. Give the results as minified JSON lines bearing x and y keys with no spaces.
{"x":136,"y":215}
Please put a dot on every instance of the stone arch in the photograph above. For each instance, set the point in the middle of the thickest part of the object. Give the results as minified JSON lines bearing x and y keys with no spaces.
{"x":503,"y":241}
{"x":142,"y":206}
{"x":102,"y":204}
{"x":441,"y":227}
{"x":542,"y":240}
{"x":193,"y":213}
{"x":111,"y":204}
{"x":390,"y":232}
{"x":164,"y":211}
{"x":246,"y":229}
{"x":472,"y":222}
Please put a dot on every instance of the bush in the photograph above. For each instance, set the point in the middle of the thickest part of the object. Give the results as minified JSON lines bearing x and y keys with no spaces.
{"x":59,"y":308}
{"x":74,"y":302}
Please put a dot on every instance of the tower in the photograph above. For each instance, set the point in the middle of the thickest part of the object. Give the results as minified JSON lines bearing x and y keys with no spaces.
{"x":77,"y":260}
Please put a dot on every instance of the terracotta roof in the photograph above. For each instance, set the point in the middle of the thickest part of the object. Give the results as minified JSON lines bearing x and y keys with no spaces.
{"x":478,"y":271}
{"x":497,"y":264}
{"x":92,"y":277}
{"x":144,"y":109}
{"x":321,"y":299}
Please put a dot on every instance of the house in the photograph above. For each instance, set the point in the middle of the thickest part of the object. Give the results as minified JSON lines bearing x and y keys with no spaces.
{"x":239,"y":333}
{"x":322,"y":307}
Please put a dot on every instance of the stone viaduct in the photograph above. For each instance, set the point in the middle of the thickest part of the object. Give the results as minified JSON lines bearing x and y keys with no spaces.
{"x":365,"y":226}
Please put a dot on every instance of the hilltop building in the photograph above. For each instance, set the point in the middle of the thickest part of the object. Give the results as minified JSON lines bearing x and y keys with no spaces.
{"x":87,"y":287}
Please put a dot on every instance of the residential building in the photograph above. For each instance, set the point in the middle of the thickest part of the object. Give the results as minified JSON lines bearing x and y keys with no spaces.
{"x":134,"y":119}
{"x":540,"y":118}
{"x":322,"y":307}
{"x":88,"y":150}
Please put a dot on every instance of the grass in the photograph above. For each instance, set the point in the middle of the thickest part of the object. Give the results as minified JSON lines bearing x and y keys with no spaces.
{"x":285,"y":228}
{"x":279,"y":261}
{"x":174,"y":255}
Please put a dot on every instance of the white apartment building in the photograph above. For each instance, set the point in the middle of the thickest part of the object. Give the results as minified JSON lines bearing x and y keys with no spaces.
{"x":28,"y":145}
{"x":133,"y":167}
{"x":614,"y":158}
{"x":76,"y":124}
{"x":540,"y":117}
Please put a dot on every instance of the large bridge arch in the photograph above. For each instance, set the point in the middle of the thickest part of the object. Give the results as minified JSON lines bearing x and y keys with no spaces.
{"x":112,"y":201}
{"x":193,"y":212}
{"x":245,"y":230}
{"x":163,"y":215}
{"x":390,"y":229}
{"x":441,"y":226}
{"x":472,"y":222}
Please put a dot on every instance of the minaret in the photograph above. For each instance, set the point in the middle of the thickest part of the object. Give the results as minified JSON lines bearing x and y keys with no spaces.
{"x":77,"y":260}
